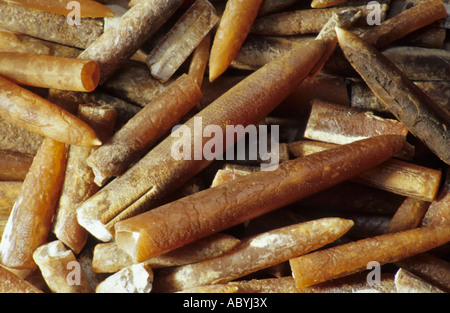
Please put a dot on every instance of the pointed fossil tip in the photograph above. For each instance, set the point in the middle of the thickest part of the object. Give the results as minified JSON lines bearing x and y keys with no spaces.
{"x":343,"y":35}
{"x":88,"y":142}
{"x":315,"y":4}
{"x":213,"y":74}
{"x":339,"y":31}
{"x":96,"y":142}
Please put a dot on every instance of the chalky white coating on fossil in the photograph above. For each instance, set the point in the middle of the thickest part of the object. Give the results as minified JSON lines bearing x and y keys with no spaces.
{"x":54,"y":249}
{"x":93,"y":225}
{"x":268,"y":239}
{"x":132,"y":279}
